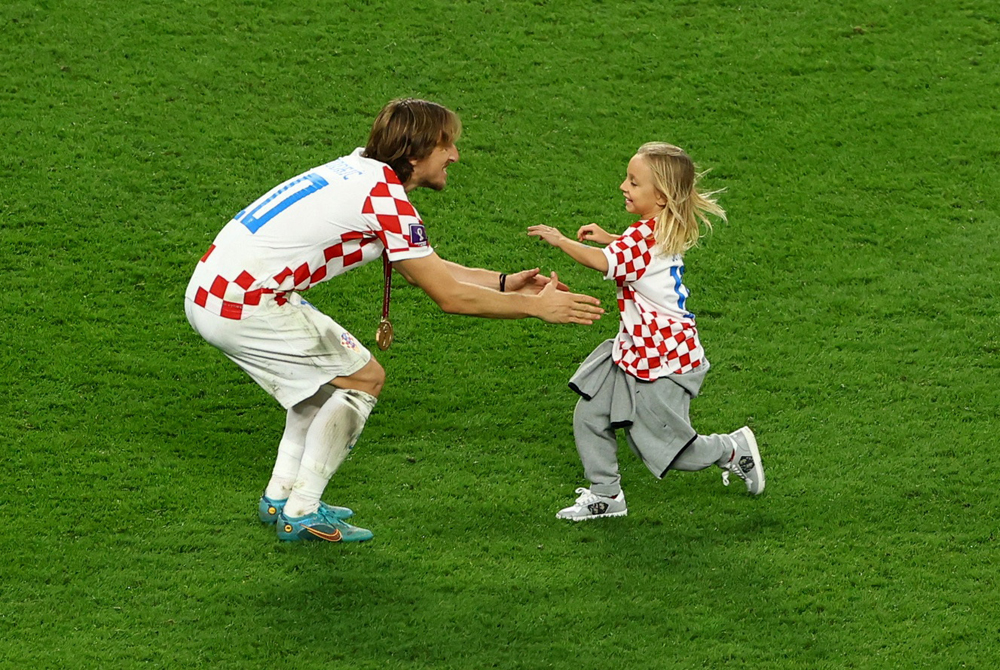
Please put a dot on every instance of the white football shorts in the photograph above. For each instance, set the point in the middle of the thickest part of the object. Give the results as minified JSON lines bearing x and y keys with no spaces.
{"x":291,"y":350}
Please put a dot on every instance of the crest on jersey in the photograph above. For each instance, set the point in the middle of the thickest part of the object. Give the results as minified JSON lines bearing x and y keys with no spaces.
{"x":418,"y":235}
{"x":348,"y":342}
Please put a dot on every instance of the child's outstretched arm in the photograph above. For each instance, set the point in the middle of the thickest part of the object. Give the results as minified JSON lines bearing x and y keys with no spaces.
{"x":592,"y":257}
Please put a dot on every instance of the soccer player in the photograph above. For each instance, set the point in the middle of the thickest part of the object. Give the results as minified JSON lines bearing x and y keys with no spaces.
{"x":245,"y":298}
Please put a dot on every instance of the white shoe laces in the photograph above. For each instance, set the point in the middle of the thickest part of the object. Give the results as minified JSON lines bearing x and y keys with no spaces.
{"x":732,"y":466}
{"x":586,"y":496}
{"x":726,"y":469}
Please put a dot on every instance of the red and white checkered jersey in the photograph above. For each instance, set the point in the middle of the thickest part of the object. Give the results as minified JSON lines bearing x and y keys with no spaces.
{"x":658,"y":335}
{"x":311,"y":228}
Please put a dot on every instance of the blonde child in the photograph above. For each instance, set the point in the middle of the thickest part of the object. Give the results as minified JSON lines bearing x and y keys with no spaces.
{"x":643,"y":380}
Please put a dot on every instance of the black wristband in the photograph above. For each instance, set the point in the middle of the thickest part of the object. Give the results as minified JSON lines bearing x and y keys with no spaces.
{"x":503,"y":281}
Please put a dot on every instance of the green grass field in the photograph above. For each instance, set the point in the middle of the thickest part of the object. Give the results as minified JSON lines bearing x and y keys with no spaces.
{"x":849,"y":308}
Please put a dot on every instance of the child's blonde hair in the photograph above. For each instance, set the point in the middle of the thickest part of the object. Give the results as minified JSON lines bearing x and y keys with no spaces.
{"x":676,"y":178}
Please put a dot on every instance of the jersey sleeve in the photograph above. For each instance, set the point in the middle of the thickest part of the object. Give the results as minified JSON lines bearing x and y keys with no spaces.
{"x":395,"y":220}
{"x":629,"y":255}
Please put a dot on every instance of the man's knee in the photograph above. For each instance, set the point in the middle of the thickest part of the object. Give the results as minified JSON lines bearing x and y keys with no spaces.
{"x":378,"y":379}
{"x":370,"y":379}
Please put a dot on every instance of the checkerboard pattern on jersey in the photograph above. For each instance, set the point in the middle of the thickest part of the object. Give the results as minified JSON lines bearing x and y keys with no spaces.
{"x":656,"y":346}
{"x":397,"y":217}
{"x":400,"y":225}
{"x":666,"y":347}
{"x":633,"y":253}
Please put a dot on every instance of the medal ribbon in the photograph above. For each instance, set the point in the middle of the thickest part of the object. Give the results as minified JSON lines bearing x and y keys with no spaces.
{"x":383,"y":337}
{"x":387,"y":293}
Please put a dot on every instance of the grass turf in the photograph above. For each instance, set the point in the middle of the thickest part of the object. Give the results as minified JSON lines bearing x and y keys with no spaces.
{"x":849,"y":309}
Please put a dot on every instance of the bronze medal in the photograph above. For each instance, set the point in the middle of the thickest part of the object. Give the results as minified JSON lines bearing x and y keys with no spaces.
{"x":383,"y":336}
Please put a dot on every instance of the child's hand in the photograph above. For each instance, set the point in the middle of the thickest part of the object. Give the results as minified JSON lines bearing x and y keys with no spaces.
{"x":594,"y":233}
{"x":583,"y":254}
{"x":547,"y":233}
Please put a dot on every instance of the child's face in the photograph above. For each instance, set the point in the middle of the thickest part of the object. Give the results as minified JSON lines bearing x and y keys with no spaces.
{"x":641,"y":196}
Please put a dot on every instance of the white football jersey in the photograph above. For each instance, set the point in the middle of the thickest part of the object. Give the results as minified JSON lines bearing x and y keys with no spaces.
{"x":313,"y":227}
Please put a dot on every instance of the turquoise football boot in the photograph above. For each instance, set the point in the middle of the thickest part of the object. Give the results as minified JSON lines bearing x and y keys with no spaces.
{"x":320,"y":525}
{"x":268,"y":510}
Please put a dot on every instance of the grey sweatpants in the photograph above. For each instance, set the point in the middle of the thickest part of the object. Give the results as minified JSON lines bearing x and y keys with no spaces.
{"x":654,"y":416}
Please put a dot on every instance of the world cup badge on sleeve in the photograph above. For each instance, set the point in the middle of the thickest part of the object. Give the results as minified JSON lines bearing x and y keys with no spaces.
{"x":418,"y":235}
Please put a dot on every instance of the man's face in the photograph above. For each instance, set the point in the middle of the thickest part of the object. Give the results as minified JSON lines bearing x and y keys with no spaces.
{"x":432,"y":171}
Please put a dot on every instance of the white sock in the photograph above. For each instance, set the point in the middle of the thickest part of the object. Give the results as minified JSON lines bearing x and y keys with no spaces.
{"x":330,"y":438}
{"x":286,"y":468}
{"x":293,"y":443}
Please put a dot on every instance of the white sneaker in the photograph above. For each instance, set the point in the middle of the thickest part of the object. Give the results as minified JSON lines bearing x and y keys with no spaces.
{"x":593,"y":506}
{"x":745,"y":462}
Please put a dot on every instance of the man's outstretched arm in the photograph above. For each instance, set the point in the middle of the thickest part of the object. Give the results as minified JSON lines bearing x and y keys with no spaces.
{"x":435,"y":277}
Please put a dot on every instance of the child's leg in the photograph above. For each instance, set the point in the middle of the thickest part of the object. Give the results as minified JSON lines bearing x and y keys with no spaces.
{"x":661,"y":429}
{"x":662,"y":434}
{"x":706,"y":450}
{"x":596,"y":443}
{"x":735,"y":453}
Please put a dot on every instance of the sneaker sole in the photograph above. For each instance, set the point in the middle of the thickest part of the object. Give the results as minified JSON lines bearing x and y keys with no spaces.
{"x":758,"y":467}
{"x":593,"y":516}
{"x":287,"y":533}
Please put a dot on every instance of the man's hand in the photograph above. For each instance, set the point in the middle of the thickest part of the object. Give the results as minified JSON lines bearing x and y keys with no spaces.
{"x":564,"y":307}
{"x":437,"y":280}
{"x":529,"y":282}
{"x":594,"y":233}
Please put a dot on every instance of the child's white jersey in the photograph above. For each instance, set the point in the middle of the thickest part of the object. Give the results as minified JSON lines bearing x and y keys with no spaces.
{"x":658,"y":335}
{"x":311,"y":228}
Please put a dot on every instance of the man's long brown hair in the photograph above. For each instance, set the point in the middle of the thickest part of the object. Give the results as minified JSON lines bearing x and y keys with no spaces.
{"x":409,"y":129}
